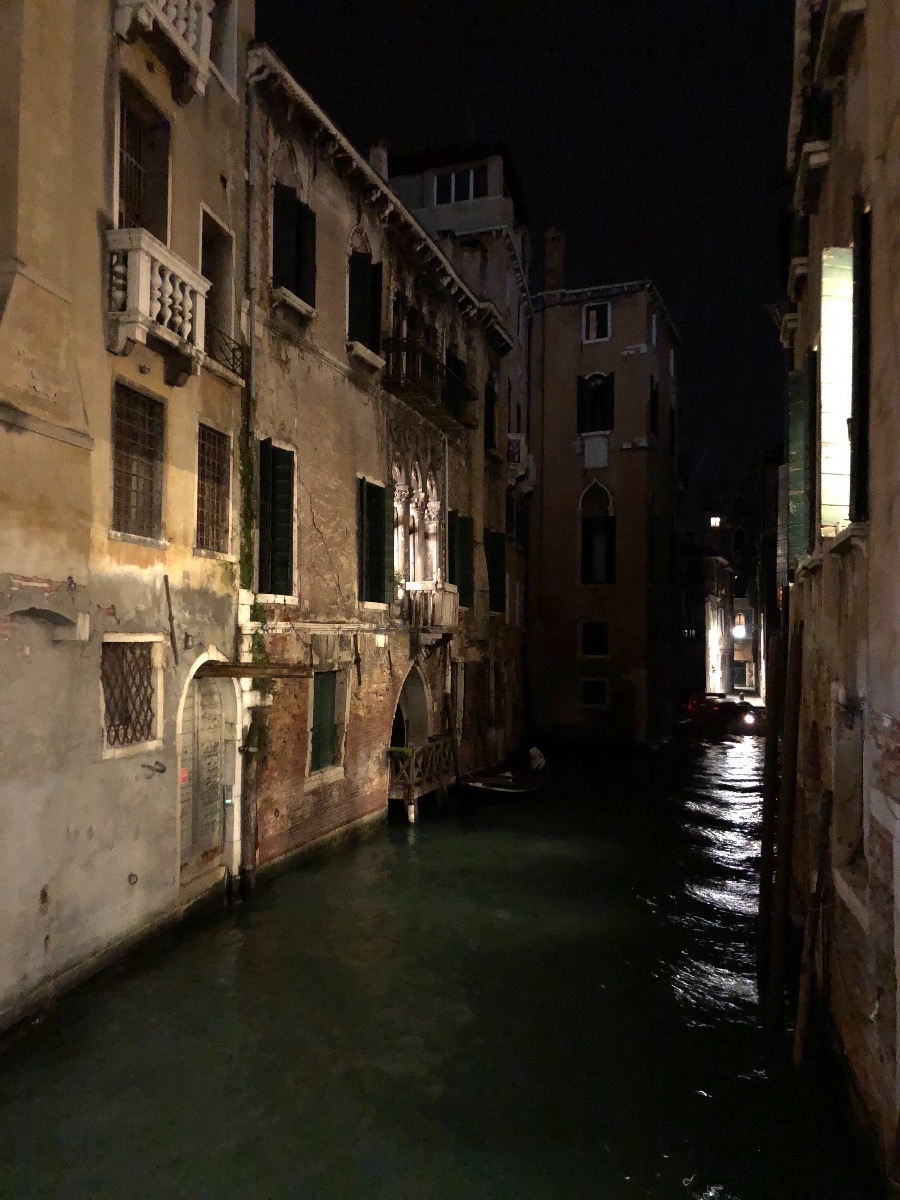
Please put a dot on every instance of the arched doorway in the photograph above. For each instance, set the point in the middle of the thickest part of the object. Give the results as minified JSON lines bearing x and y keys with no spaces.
{"x":207,"y":768}
{"x":411,"y":714}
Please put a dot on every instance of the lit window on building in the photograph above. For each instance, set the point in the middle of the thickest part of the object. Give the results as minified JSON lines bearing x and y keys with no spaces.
{"x":715,"y":522}
{"x":596,"y":322}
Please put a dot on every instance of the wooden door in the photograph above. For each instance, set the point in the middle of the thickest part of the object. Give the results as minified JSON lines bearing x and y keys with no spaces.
{"x":202,"y":775}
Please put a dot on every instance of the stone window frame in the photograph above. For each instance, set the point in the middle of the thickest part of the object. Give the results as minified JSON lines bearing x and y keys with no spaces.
{"x":157,"y":643}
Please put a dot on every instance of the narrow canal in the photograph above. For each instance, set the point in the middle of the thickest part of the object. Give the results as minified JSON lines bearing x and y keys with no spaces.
{"x":539,"y":1001}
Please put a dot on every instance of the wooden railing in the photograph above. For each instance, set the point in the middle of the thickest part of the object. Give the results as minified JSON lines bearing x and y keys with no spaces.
{"x":418,"y":770}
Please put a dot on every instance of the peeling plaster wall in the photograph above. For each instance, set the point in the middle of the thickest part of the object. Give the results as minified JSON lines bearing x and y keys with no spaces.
{"x":92,"y":842}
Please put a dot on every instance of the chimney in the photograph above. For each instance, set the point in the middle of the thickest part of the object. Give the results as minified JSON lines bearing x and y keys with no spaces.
{"x":554,"y":260}
{"x":378,"y":159}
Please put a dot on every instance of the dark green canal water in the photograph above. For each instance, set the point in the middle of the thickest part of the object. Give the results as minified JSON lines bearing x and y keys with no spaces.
{"x":551,"y":1000}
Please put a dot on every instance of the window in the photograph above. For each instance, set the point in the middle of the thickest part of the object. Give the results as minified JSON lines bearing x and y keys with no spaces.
{"x":490,"y":413}
{"x":596,"y":399}
{"x":293,"y":245}
{"x":461,"y":556}
{"x":217,"y":265}
{"x":325,"y":748}
{"x":740,"y":627}
{"x":467,"y":183}
{"x":137,"y":438}
{"x":594,"y":693}
{"x":596,"y":322}
{"x":223,"y":41}
{"x":129,"y":675}
{"x":143,"y":164}
{"x":654,"y":406}
{"x":276,"y":520}
{"x":594,"y":639}
{"x":715,"y":522}
{"x":835,"y":389}
{"x":495,"y":555}
{"x":598,"y":537}
{"x":653,"y":329}
{"x":375,"y":542}
{"x":213,"y":477}
{"x":364,"y":301}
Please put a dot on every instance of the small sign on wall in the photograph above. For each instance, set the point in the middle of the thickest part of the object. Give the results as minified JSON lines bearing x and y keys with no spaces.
{"x":184,"y":774}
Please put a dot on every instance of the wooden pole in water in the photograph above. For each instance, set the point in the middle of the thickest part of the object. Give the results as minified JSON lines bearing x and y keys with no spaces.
{"x":784,"y":839}
{"x":811,"y":928}
{"x":774,"y":686}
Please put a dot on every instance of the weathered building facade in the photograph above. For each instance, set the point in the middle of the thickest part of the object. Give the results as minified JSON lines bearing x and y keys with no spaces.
{"x":602,"y":611}
{"x":121,"y":209}
{"x":842,"y":535}
{"x":375,"y":596}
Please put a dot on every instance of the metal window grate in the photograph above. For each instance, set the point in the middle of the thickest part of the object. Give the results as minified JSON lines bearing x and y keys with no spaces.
{"x":126,"y":671}
{"x":212,"y":489}
{"x":138,"y":423}
{"x":132,"y":167}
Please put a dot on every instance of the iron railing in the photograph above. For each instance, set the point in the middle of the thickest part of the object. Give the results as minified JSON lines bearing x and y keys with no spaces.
{"x":415,"y":372}
{"x":224,"y":350}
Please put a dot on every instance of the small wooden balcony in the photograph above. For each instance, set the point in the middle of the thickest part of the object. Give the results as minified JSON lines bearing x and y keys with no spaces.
{"x":415,"y":373}
{"x":418,"y":771}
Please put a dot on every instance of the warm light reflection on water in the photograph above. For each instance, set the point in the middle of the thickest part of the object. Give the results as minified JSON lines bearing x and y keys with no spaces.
{"x":717,"y":976}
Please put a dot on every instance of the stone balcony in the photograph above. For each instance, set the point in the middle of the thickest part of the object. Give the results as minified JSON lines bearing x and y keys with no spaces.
{"x":179,"y":30}
{"x":153,"y":294}
{"x":431,"y":605}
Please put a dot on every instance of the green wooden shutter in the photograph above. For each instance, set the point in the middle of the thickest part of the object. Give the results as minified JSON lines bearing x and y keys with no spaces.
{"x":324,"y":723}
{"x":374,"y":564}
{"x":453,"y":546}
{"x":375,"y":288}
{"x":306,"y":254}
{"x":284,"y":237}
{"x":466,"y":560}
{"x":862,"y":321}
{"x":359,"y":308}
{"x":608,"y":402}
{"x":282,"y":522}
{"x":388,"y":562}
{"x":264,"y":583}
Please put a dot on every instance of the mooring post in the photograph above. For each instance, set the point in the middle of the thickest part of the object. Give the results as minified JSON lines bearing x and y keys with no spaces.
{"x":784,"y":842}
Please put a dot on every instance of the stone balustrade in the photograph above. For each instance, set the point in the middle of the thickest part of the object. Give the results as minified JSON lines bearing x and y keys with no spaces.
{"x":153,"y":293}
{"x":431,"y":605}
{"x":184,"y":26}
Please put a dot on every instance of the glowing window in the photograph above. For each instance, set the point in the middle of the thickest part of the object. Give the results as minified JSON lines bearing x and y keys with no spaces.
{"x":835,"y":388}
{"x":715,"y":522}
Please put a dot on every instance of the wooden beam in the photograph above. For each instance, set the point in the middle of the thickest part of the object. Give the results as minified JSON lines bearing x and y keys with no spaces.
{"x":227,"y":670}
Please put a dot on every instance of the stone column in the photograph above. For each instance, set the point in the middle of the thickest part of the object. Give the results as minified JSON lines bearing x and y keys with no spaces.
{"x":417,"y":514}
{"x":401,"y":527}
{"x":433,"y":540}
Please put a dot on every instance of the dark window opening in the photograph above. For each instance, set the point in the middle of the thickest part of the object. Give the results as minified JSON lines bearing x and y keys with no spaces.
{"x":596,"y":400}
{"x":213,"y":474}
{"x":490,"y":414}
{"x":293,"y":245}
{"x":364,"y":308}
{"x":375,"y":542}
{"x":598,"y":538}
{"x":595,"y":639}
{"x":138,"y":438}
{"x":495,"y":555}
{"x":461,"y":556}
{"x":443,"y":188}
{"x":217,"y":265}
{"x":143,"y":164}
{"x":862,"y":321}
{"x":276,"y":520}
{"x":596,"y":322}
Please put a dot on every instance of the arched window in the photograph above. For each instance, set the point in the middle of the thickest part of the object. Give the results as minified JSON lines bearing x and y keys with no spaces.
{"x":596,"y":396}
{"x":598,"y":536}
{"x":416,"y":530}
{"x":401,"y":524}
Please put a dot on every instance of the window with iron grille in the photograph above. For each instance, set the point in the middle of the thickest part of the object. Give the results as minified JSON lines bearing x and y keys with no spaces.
{"x":213,"y":473}
{"x":143,"y":164}
{"x":127,"y":673}
{"x":137,"y":437}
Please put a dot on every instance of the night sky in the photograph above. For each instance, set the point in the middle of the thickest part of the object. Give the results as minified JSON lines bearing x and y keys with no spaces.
{"x":653,"y":131}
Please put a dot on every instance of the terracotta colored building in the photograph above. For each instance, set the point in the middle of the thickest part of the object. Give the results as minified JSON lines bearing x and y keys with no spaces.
{"x":602,"y":614}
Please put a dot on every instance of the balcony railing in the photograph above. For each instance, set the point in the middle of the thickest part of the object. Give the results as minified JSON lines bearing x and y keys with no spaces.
{"x":415,"y":372}
{"x":430,"y":605}
{"x":224,"y":350}
{"x":418,"y":770}
{"x":182,"y":28}
{"x":153,"y":293}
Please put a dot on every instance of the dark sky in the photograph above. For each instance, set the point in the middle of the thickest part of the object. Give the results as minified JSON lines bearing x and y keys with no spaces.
{"x":650,"y":129}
